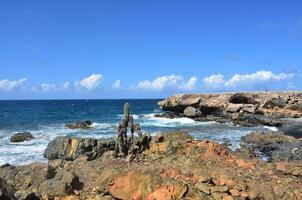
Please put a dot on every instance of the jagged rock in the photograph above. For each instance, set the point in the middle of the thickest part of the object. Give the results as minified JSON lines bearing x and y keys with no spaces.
{"x":275,"y":145}
{"x":192,"y":112}
{"x":20,"y":137}
{"x":274,"y":102}
{"x":67,"y":148}
{"x":6,"y":190}
{"x":79,"y":125}
{"x":62,"y":184}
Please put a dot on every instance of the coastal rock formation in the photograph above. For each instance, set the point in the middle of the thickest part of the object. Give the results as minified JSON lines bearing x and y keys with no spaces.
{"x":79,"y":125}
{"x":21,"y":137}
{"x":267,"y":108}
{"x":171,"y":166}
{"x":67,"y":148}
{"x":277,"y":146}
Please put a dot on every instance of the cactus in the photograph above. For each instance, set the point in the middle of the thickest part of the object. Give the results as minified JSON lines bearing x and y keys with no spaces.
{"x":126,"y":112}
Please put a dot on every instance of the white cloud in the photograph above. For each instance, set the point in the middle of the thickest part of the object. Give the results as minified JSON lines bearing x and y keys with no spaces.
{"x":167,"y":82}
{"x":258,"y":77}
{"x":9,"y":85}
{"x":66,"y":85}
{"x":45,"y":87}
{"x":190,"y":85}
{"x":90,"y":82}
{"x":49,"y":87}
{"x":117,"y":85}
{"x":214,"y":81}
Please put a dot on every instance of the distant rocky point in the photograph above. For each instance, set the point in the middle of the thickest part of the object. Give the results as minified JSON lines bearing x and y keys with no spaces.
{"x":247,"y":109}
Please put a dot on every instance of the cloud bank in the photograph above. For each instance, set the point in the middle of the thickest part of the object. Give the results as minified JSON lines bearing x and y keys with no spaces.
{"x":167,"y":82}
{"x":216,"y":81}
{"x":10,"y":85}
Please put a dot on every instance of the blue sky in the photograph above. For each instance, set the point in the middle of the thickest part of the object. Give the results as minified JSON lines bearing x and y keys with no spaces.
{"x":147,"y":49}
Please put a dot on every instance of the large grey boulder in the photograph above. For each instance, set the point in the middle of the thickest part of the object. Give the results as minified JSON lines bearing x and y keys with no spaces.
{"x":67,"y":148}
{"x":20,"y":137}
{"x":192,"y":112}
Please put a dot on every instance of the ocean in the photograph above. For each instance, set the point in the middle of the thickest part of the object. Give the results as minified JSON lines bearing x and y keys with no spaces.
{"x":45,"y":119}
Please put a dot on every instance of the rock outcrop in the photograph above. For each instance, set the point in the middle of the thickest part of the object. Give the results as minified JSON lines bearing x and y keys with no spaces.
{"x":276,"y":146}
{"x":79,"y":125}
{"x":67,"y":148}
{"x":267,"y":108}
{"x":21,"y":137}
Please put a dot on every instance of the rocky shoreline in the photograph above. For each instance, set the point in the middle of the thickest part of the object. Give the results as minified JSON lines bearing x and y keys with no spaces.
{"x":170,"y":166}
{"x":173,"y":165}
{"x":278,"y":109}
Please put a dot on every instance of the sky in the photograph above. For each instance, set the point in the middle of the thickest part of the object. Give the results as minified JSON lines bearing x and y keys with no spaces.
{"x":100,"y":49}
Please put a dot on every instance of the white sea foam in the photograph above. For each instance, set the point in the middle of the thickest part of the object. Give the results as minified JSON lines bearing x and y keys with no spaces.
{"x":271,"y":128}
{"x":101,"y":125}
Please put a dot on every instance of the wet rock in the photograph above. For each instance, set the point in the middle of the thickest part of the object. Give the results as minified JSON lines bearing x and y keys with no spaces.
{"x":169,"y":115}
{"x":79,"y":125}
{"x":6,"y":190}
{"x":192,"y":112}
{"x":67,"y":148}
{"x":20,"y":137}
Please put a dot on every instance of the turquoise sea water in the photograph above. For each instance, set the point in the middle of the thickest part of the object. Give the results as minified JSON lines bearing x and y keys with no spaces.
{"x":45,"y":119}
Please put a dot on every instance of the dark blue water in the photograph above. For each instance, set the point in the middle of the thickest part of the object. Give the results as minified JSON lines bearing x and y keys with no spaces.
{"x":45,"y":119}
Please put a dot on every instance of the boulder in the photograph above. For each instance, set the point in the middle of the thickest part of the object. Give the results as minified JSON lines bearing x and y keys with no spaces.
{"x":292,"y":127}
{"x":64,"y":183}
{"x":67,"y":148}
{"x":20,"y":137}
{"x":79,"y":125}
{"x":234,"y":107}
{"x":6,"y":190}
{"x":192,"y":112}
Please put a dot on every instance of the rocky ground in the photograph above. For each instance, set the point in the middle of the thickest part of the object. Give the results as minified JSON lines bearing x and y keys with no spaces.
{"x":281,"y":109}
{"x":169,"y":166}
